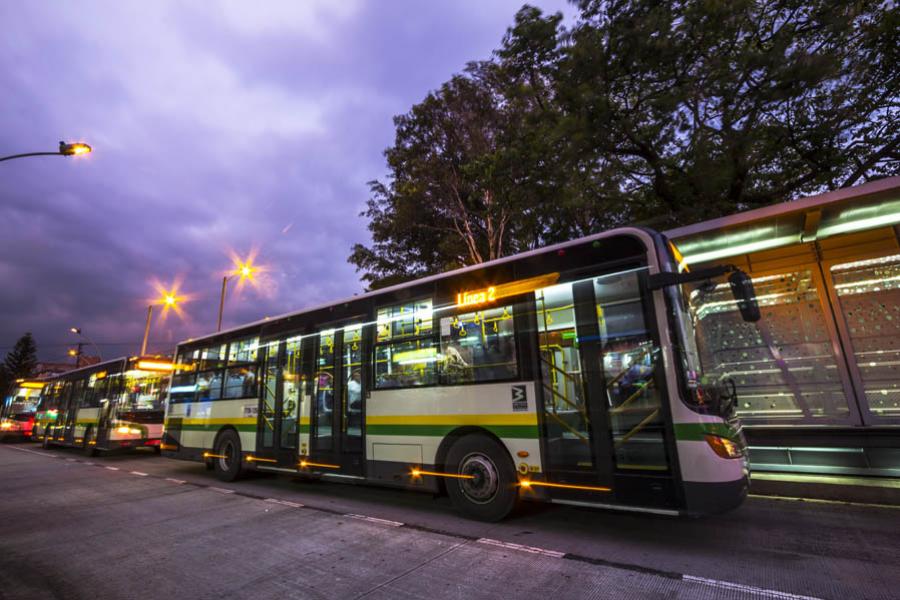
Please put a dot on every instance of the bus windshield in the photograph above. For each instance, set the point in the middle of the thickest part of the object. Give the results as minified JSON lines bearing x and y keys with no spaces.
{"x":143,"y":392}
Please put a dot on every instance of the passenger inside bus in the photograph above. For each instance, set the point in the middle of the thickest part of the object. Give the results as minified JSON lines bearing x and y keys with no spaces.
{"x":324,"y":391}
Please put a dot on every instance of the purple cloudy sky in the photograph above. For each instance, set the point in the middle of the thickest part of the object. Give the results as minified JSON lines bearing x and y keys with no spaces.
{"x":216,"y":126}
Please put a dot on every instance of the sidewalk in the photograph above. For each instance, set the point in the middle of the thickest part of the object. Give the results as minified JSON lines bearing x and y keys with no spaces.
{"x":866,"y":490}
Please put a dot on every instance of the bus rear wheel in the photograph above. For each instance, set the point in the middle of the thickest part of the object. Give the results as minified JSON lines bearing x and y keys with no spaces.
{"x":227,"y":463}
{"x":487,"y":491}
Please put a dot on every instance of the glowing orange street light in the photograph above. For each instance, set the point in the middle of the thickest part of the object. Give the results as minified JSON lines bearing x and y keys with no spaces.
{"x":74,"y":149}
{"x":244,"y":271}
{"x":65,"y":149}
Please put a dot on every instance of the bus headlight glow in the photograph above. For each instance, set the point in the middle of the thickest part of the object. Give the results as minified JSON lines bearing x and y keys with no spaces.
{"x":724,"y":447}
{"x":126,"y":430}
{"x":5,"y":425}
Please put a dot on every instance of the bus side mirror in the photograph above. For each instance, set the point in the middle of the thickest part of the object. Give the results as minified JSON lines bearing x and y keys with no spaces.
{"x":742,"y":290}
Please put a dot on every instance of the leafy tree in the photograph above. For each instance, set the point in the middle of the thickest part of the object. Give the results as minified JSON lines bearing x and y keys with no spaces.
{"x":5,"y":382}
{"x":644,"y":111}
{"x":712,"y":107}
{"x":21,"y":361}
{"x":469,"y":169}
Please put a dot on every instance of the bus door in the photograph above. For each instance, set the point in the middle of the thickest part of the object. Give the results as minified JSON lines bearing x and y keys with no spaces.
{"x":340,"y":386}
{"x":106,"y":407}
{"x":602,"y":380}
{"x":280,"y":400}
{"x":76,"y":389}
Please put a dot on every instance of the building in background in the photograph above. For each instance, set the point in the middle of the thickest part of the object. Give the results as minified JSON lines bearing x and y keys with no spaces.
{"x":819,"y":376}
{"x":49,"y":369}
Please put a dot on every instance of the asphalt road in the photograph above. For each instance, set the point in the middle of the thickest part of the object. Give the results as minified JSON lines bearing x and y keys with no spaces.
{"x":140,"y":526}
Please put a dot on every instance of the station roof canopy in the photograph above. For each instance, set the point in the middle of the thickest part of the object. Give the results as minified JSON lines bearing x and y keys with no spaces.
{"x":868,"y":206}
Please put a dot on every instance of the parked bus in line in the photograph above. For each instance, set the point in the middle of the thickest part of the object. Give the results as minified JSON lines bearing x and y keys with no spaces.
{"x":113,"y":405}
{"x":18,"y":410}
{"x":567,"y":374}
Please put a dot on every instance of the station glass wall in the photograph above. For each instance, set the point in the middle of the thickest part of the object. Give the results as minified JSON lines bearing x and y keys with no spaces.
{"x":827,"y":349}
{"x":784,"y":365}
{"x":868,"y":293}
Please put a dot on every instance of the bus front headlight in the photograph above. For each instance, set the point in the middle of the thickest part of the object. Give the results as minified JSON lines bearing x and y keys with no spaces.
{"x":126,"y":430}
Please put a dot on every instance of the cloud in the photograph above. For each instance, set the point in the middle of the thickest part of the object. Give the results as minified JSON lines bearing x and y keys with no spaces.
{"x":216,"y":126}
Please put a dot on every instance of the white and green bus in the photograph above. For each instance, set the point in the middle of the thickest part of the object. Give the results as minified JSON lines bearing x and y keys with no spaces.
{"x":567,"y":374}
{"x":112,"y":405}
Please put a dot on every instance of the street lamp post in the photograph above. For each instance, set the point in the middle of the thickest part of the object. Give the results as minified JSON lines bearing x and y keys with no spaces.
{"x":65,"y":149}
{"x":169,"y":301}
{"x":77,"y":331}
{"x":243,"y":271}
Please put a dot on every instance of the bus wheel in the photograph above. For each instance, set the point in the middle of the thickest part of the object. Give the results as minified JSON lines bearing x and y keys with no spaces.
{"x":89,"y":449}
{"x":489,"y":493}
{"x":228,"y":467}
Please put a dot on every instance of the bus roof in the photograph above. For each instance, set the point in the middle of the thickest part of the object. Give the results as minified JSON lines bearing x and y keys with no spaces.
{"x":102,"y":365}
{"x":638,"y":231}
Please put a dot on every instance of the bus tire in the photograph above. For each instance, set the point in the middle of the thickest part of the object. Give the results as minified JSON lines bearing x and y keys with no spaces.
{"x":228,"y":446}
{"x":492,"y":493}
{"x":89,"y":449}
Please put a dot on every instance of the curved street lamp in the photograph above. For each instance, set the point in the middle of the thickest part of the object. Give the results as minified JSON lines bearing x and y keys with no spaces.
{"x":77,"y":331}
{"x":65,"y":149}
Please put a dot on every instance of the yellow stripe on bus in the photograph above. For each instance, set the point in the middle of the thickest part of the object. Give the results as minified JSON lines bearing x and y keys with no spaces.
{"x":216,"y":421}
{"x":501,"y":419}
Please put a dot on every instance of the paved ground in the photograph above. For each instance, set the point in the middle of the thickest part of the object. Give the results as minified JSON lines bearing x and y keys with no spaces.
{"x":140,"y":526}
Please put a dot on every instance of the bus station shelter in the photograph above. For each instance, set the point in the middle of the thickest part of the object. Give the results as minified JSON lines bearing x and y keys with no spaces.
{"x":818,"y":376}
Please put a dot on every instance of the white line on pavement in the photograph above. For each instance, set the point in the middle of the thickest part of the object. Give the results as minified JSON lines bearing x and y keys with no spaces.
{"x":374,"y":520}
{"x":112,"y":468}
{"x":175,"y":480}
{"x":36,"y":452}
{"x":727,"y":585}
{"x":221,"y":490}
{"x":522,"y":548}
{"x":138,"y":473}
{"x":284,"y":502}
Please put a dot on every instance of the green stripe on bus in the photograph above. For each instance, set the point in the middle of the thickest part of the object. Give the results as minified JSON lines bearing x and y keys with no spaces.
{"x":694,"y":432}
{"x":501,"y":431}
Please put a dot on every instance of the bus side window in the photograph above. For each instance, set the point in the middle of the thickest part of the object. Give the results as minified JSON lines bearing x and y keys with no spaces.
{"x":478,"y":347}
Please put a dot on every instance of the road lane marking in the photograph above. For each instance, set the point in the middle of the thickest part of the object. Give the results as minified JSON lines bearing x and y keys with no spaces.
{"x":220,"y":490}
{"x":387,"y":522}
{"x":521,"y":548}
{"x":142,"y":474}
{"x":49,"y":454}
{"x":173,"y":480}
{"x":750,"y":589}
{"x":284,"y":502}
{"x":112,"y":468}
